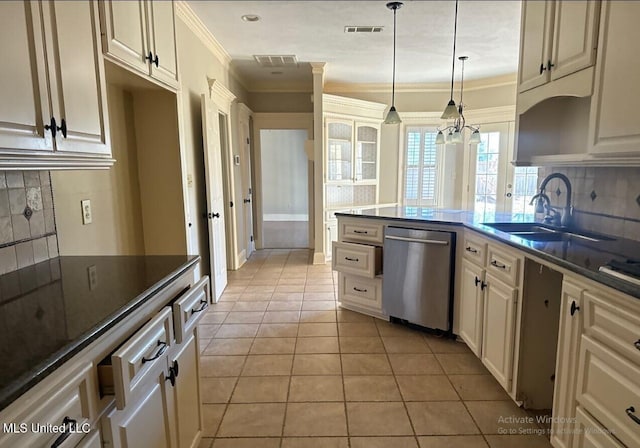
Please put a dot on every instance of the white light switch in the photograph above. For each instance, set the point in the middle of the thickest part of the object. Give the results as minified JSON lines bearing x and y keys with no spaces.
{"x":86,"y":211}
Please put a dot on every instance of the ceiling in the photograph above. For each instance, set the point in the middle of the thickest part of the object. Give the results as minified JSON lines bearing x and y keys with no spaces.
{"x":488,"y":32}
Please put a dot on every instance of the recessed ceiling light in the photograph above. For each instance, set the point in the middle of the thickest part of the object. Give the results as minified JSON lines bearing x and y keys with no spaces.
{"x":250,"y":18}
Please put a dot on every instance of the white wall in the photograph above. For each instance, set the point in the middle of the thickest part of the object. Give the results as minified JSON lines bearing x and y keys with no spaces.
{"x":284,"y":174}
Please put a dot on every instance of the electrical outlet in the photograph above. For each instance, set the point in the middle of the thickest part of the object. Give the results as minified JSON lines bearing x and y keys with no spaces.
{"x":87,"y":217}
{"x":92,"y":273}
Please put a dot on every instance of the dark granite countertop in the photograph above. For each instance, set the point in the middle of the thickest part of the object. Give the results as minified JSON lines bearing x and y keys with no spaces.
{"x":52,"y":310}
{"x":584,"y":258}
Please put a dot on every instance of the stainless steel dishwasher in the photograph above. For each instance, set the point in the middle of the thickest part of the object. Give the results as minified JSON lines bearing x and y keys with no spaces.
{"x":417,"y":279}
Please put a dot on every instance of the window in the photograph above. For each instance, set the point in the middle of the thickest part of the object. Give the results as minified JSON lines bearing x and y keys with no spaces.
{"x":421,"y":167}
{"x":525,"y":186}
{"x":487,"y":170}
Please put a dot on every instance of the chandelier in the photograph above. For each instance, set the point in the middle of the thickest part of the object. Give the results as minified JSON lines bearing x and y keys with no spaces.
{"x":455,"y":130}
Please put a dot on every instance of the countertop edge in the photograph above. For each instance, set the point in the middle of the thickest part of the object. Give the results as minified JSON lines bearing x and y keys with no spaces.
{"x":22,"y":384}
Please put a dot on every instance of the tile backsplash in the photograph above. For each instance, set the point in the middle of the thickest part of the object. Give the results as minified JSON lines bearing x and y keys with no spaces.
{"x":27,"y":221}
{"x":605,"y":200}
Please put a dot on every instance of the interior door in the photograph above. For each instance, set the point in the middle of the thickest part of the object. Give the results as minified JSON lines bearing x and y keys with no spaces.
{"x":247,"y":189}
{"x":215,"y":195}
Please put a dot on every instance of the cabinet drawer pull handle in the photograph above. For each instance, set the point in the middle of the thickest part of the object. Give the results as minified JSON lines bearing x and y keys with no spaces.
{"x":637,"y":344}
{"x":70,"y":424}
{"x":359,"y":290}
{"x":574,"y":308}
{"x":631,"y":413}
{"x":52,"y":127}
{"x":351,"y":259}
{"x":163,"y":348}
{"x":153,"y":60}
{"x":471,"y":249}
{"x":498,"y":265}
{"x":363,"y":232}
{"x":203,"y":307}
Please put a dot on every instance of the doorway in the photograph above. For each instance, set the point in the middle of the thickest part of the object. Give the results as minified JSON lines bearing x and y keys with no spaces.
{"x":285,"y":183}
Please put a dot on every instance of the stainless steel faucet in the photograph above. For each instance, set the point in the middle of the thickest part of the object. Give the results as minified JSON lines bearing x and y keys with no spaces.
{"x":543,"y":204}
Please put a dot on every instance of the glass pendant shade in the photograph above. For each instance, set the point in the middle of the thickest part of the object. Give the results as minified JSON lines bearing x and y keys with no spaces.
{"x":456,"y":137}
{"x":451,"y":111}
{"x":393,"y":117}
{"x":440,"y":138}
{"x":475,"y":137}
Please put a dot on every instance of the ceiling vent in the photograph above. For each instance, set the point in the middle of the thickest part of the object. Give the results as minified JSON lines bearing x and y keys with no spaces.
{"x":266,"y":60}
{"x":362,"y":29}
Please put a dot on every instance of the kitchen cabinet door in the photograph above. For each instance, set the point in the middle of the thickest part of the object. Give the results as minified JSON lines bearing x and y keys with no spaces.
{"x":613,"y":125}
{"x":339,"y":151}
{"x":564,"y":394}
{"x":499,"y":330}
{"x":149,"y":421}
{"x":472,"y":306}
{"x":162,"y":41}
{"x":366,"y":156}
{"x":124,"y":31}
{"x":24,"y":108}
{"x":76,"y":72}
{"x":535,"y":43}
{"x":187,"y":393}
{"x":575,"y":37}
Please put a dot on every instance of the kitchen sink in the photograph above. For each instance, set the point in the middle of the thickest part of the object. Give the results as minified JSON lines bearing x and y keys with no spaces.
{"x":540,"y":232}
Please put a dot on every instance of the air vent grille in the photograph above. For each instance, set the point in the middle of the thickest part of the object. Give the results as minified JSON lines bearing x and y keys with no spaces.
{"x":363,"y":29}
{"x":266,"y":60}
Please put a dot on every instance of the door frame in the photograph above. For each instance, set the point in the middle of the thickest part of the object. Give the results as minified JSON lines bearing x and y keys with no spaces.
{"x":279,"y":121}
{"x":242,"y":122}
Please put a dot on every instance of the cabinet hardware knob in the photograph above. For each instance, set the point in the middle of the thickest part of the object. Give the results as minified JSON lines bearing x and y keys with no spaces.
{"x":471,"y":249}
{"x":153,"y":60}
{"x":351,"y":259}
{"x":483,"y":285}
{"x":176,"y":368}
{"x":70,"y":425}
{"x":359,"y":290}
{"x":542,"y":68}
{"x":172,"y":377}
{"x":477,"y":281}
{"x":215,"y":215}
{"x":163,"y":348}
{"x":549,"y":65}
{"x":498,"y":265}
{"x":631,"y":413}
{"x":574,"y":308}
{"x":63,"y":128}
{"x":52,"y":127}
{"x":203,"y":306}
{"x":637,"y":344}
{"x":246,"y":201}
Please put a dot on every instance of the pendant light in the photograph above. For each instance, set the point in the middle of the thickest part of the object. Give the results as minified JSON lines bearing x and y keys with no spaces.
{"x":392,"y":116}
{"x":451,"y":111}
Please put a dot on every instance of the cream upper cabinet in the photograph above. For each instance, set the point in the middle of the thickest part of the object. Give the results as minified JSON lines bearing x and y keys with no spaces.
{"x":558,"y":38}
{"x":77,"y":82}
{"x":141,"y":35}
{"x":535,"y":44}
{"x":53,"y":86}
{"x":24,"y":109}
{"x":614,"y":127}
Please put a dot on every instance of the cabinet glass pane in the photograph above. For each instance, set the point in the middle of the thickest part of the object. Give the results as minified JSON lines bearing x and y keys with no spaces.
{"x":339,"y":153}
{"x":366,"y":153}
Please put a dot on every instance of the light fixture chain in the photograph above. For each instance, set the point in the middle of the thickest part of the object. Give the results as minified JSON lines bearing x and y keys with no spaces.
{"x":393,"y":79}
{"x":455,"y":33}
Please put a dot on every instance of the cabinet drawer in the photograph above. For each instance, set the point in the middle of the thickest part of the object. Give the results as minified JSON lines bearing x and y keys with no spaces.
{"x":589,"y":434}
{"x":609,"y":389}
{"x":368,"y":233}
{"x":366,"y":292}
{"x":141,"y":356}
{"x":70,"y":403}
{"x":475,"y":249}
{"x":615,"y":327}
{"x":91,"y":440}
{"x":189,"y":309}
{"x":503,"y":265}
{"x":356,"y":259}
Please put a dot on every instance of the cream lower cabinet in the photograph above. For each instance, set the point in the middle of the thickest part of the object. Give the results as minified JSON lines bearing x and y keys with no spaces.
{"x":564,"y":396}
{"x":187,"y":392}
{"x":472,"y":306}
{"x":54,"y":109}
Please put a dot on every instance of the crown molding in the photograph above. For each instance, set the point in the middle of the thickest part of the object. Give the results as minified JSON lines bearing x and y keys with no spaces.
{"x":469,"y":86}
{"x":197,"y":26}
{"x":220,"y":95}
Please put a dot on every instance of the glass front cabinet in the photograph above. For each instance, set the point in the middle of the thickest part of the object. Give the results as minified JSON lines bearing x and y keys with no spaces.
{"x":352,"y":151}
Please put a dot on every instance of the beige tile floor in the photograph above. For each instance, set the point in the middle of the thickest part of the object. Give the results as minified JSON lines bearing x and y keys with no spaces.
{"x":284,"y":367}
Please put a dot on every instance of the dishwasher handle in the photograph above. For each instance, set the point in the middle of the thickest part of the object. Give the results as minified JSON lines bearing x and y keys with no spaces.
{"x":416,"y":240}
